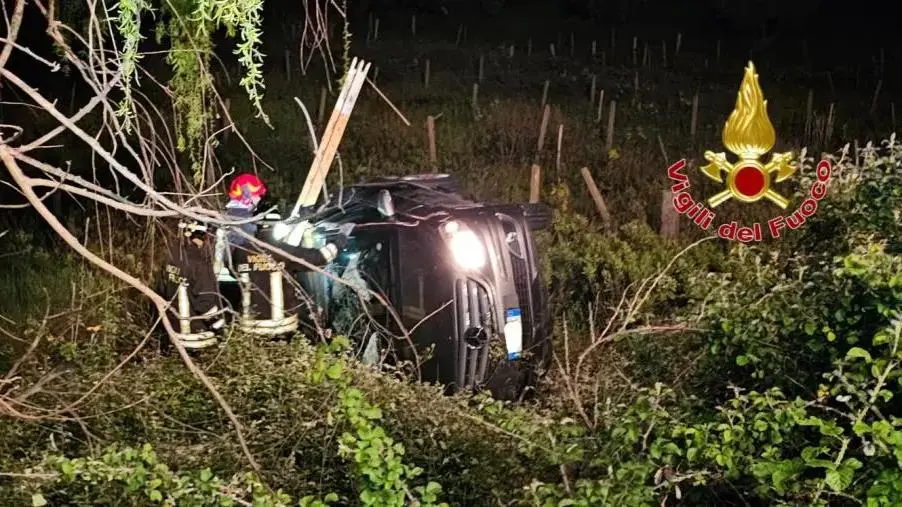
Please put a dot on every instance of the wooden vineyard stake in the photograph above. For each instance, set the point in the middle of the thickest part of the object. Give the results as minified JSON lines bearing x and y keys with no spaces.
{"x":557,"y":157}
{"x":474,"y":99}
{"x":892,"y":114}
{"x":670,"y":219}
{"x":679,"y":43}
{"x":876,"y":94}
{"x":609,"y":141}
{"x":545,"y":92}
{"x":551,"y":49}
{"x":376,"y":30}
{"x":535,"y":182}
{"x":636,"y":89}
{"x":663,"y":151}
{"x":645,"y":58}
{"x":481,"y":68}
{"x":319,"y":168}
{"x":536,"y":169}
{"x":426,"y":75}
{"x":460,"y":34}
{"x":828,"y":128}
{"x":321,"y":115}
{"x":430,"y":133}
{"x":375,"y":74}
{"x":635,"y":58}
{"x":594,"y":48}
{"x":413,"y":25}
{"x":596,"y":197}
{"x":288,"y":65}
{"x":510,"y":53}
{"x":546,"y":115}
{"x":383,"y":97}
{"x":600,"y":106}
{"x":592,"y":91}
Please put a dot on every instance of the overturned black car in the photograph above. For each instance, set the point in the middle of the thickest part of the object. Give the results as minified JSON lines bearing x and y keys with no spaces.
{"x":462,"y":281}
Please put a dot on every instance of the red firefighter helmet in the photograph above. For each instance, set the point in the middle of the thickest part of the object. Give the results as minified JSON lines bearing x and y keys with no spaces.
{"x":246,"y":187}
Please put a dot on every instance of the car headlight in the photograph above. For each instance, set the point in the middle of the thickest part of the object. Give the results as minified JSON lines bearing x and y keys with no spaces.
{"x":466,"y":247}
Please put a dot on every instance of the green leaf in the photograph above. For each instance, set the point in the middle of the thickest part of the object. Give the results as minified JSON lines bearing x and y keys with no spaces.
{"x":156,"y":496}
{"x":840,"y":479}
{"x":852,"y":463}
{"x":742,"y":360}
{"x":858,"y":352}
{"x":334,"y":372}
{"x":37,"y":500}
{"x":67,"y":469}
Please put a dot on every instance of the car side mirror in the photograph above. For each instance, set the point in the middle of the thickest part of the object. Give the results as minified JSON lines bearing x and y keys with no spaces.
{"x":385,"y":204}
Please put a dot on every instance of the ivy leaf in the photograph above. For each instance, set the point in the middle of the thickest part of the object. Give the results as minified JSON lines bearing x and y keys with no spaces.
{"x":858,"y":352}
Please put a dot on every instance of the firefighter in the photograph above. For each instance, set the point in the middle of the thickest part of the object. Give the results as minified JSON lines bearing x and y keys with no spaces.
{"x":245,"y":193}
{"x":269,"y":300}
{"x":189,"y":283}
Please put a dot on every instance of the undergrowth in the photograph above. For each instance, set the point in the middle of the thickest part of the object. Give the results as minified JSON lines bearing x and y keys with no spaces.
{"x":791,"y":402}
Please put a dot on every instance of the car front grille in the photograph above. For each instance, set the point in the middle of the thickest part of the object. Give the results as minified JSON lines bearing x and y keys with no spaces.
{"x":474,"y":328}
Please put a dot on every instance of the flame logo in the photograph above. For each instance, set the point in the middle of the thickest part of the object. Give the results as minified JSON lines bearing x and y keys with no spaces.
{"x":749,"y":134}
{"x":748,"y":131}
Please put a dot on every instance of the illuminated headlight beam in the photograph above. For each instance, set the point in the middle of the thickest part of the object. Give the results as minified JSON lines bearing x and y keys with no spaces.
{"x":466,"y":248}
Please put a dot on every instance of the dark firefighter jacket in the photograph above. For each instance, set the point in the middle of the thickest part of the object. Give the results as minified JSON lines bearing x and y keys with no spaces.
{"x":259,"y":264}
{"x":193,"y":266}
